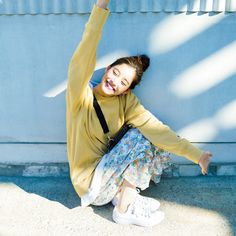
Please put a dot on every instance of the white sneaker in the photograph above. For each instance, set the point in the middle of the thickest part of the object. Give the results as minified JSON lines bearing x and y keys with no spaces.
{"x":145,"y":201}
{"x":138,"y":215}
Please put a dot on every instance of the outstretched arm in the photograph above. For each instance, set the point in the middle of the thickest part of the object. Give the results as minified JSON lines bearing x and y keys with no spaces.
{"x":162,"y":135}
{"x":83,"y":61}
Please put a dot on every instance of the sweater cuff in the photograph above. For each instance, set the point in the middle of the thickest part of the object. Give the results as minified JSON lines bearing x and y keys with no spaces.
{"x":196,"y":155}
{"x":98,"y":17}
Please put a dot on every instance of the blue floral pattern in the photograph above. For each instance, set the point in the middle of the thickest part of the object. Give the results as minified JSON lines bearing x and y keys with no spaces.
{"x":135,"y":159}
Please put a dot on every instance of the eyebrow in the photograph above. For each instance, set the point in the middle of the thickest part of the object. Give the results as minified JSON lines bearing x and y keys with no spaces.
{"x":119,"y":74}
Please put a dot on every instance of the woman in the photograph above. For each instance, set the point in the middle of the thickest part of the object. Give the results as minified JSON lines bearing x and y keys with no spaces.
{"x":99,"y":176}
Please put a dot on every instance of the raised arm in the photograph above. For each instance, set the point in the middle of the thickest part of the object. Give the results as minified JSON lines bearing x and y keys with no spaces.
{"x":103,"y":3}
{"x":83,"y":61}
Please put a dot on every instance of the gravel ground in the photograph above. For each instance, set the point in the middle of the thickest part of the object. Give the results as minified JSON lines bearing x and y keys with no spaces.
{"x":204,"y":205}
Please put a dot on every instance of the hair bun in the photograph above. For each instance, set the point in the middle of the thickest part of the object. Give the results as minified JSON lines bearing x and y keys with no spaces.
{"x":145,"y":61}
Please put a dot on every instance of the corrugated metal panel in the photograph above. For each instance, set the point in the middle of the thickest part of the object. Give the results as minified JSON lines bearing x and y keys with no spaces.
{"x":119,"y":6}
{"x":170,"y":6}
{"x":219,"y":5}
{"x":206,"y":5}
{"x":231,"y":5}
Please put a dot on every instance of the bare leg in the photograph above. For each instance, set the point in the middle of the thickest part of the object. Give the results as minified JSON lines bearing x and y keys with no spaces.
{"x":126,"y":196}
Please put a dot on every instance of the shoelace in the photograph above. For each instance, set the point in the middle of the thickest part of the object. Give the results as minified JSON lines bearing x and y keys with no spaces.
{"x":140,"y":210}
{"x":144,"y":201}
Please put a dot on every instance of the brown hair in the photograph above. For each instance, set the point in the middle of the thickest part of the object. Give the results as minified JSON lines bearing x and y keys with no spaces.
{"x":140,"y":63}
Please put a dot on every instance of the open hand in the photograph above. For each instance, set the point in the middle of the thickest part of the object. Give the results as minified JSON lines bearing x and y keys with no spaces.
{"x":204,"y":161}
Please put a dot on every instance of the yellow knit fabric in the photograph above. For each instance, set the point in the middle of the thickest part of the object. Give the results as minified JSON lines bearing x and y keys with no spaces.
{"x":86,"y":142}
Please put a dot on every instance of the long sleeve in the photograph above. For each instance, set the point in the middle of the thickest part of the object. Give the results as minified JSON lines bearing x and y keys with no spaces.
{"x":83,"y":61}
{"x":158,"y":133}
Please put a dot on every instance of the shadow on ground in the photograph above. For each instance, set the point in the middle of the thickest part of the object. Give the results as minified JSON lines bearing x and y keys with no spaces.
{"x":57,"y":189}
{"x":198,"y":194}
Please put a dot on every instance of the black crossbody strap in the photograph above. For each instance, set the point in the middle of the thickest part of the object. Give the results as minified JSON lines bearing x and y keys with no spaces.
{"x":100,"y":115}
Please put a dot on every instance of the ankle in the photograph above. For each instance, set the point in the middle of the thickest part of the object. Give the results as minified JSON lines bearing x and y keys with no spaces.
{"x":122,"y":208}
{"x":127,"y":184}
{"x":126,"y":197}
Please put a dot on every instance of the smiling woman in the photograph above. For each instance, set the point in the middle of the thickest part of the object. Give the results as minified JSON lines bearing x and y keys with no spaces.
{"x":98,"y":175}
{"x":122,"y":75}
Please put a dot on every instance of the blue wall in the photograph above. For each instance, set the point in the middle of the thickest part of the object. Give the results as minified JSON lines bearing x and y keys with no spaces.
{"x":190,"y":84}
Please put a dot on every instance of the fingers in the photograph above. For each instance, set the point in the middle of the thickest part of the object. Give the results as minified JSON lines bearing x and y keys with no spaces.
{"x":205,"y":167}
{"x":209,"y":154}
{"x":204,"y":172}
{"x":205,"y":162}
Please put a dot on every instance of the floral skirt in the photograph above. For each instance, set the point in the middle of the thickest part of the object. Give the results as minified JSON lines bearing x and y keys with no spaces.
{"x":134,"y":159}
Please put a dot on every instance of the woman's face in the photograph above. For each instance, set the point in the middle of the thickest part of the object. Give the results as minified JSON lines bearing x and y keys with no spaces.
{"x":117,"y":80}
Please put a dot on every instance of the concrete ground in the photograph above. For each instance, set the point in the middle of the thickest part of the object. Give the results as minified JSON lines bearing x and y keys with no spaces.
{"x":204,"y":205}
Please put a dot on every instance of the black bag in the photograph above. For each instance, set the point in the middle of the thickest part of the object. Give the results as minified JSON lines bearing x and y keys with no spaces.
{"x":114,"y":140}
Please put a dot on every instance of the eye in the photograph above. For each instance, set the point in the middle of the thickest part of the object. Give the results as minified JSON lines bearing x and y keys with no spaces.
{"x":114,"y":72}
{"x":123,"y":83}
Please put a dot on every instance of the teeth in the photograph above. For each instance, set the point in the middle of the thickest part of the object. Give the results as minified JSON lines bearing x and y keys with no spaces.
{"x":110,"y":86}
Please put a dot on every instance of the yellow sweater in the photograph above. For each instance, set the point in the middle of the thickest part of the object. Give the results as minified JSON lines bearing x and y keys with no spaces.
{"x":86,"y":142}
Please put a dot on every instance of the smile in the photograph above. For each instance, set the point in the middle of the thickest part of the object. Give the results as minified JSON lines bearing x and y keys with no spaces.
{"x":108,"y":85}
